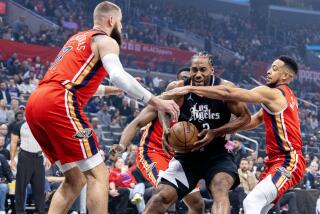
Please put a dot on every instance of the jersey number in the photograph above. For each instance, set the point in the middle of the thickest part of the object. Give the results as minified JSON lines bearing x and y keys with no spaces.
{"x":206,"y":126}
{"x":60,"y":56}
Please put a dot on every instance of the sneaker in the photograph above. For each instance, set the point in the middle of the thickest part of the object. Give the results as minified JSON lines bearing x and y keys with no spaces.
{"x":137,"y":198}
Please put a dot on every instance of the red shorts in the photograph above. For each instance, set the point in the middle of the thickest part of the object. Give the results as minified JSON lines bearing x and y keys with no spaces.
{"x":59,"y":124}
{"x":286,"y":172}
{"x":150,"y":162}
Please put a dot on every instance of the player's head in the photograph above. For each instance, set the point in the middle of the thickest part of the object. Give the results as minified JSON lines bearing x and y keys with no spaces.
{"x":183,"y":73}
{"x":244,"y":165}
{"x":109,"y":16}
{"x":201,"y":69}
{"x":283,"y":70}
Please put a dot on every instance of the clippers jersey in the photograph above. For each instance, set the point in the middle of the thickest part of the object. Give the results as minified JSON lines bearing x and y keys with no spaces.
{"x":205,"y":113}
{"x":283,"y":128}
{"x":76,"y":67}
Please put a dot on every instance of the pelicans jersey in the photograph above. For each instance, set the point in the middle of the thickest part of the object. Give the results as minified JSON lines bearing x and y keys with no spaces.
{"x":286,"y":164}
{"x":54,"y":111}
{"x":150,"y":156}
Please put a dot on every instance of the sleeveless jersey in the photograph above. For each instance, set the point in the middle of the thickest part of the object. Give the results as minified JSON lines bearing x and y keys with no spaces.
{"x":205,"y":113}
{"x":283,"y":128}
{"x":152,"y":136}
{"x":76,"y":68}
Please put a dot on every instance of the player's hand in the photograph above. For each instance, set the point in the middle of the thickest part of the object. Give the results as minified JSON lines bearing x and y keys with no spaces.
{"x":165,"y":143}
{"x":114,"y":192}
{"x":180,"y":91}
{"x":169,"y":106}
{"x":115,"y":151}
{"x":206,"y":136}
{"x":13,"y":165}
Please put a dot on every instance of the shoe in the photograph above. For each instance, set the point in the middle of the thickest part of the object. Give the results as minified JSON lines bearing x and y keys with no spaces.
{"x":2,"y":212}
{"x":137,"y":198}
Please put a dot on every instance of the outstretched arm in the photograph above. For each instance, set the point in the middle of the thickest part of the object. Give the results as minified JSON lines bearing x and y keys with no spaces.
{"x":108,"y":51}
{"x":145,"y":116}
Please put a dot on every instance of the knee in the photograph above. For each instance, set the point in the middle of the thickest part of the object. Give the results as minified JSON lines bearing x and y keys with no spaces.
{"x":220,"y":192}
{"x":76,"y":183}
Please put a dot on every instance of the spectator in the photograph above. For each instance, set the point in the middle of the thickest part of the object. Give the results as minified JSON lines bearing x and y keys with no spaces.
{"x":4,"y":92}
{"x":3,"y":150}
{"x":5,"y":177}
{"x":4,"y":133}
{"x":4,"y":114}
{"x":312,"y":178}
{"x":239,"y":151}
{"x":103,"y":115}
{"x":26,"y":87}
{"x":13,"y":89}
{"x":119,"y":177}
{"x":97,"y":128}
{"x":247,"y":179}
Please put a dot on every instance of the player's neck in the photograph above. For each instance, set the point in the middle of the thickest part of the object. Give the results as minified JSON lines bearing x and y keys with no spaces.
{"x":101,"y":28}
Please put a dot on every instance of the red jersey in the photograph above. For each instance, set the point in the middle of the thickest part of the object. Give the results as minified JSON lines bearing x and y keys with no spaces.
{"x":77,"y":68}
{"x":152,"y":136}
{"x":283,"y":128}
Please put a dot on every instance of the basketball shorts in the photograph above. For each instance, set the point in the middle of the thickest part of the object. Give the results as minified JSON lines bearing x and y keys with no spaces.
{"x":61,"y":128}
{"x":286,"y":171}
{"x":186,"y":169}
{"x":150,"y":162}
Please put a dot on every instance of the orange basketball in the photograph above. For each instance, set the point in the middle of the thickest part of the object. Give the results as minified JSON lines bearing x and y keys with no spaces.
{"x":182,"y":136}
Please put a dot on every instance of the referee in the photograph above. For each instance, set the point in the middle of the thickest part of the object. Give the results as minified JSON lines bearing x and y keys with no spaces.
{"x":30,"y":168}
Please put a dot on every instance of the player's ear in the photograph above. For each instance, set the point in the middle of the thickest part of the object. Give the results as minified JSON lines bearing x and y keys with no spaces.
{"x":111,"y":21}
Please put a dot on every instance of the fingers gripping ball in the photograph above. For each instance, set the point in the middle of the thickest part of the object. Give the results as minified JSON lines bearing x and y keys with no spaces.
{"x":182,"y":136}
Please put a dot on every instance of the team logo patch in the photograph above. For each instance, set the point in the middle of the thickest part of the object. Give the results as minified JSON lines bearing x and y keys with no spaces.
{"x":284,"y":172}
{"x":150,"y":167}
{"x":83,"y":134}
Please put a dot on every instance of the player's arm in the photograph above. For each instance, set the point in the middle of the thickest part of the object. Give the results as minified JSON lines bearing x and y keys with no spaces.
{"x":164,"y":118}
{"x":106,"y":90}
{"x":13,"y":149}
{"x":260,"y":94}
{"x":256,"y":120}
{"x":147,"y":114}
{"x":108,"y":50}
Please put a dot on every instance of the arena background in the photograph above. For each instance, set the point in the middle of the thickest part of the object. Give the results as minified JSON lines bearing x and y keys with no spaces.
{"x":160,"y":37}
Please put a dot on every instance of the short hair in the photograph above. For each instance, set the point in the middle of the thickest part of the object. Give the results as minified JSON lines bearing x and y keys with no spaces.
{"x":204,"y":54}
{"x":290,"y":62}
{"x":244,"y":159}
{"x":105,"y":7}
{"x":182,"y":70}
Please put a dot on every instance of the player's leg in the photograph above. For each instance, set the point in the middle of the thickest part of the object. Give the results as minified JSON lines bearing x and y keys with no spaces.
{"x":194,"y":202}
{"x":219,"y":186}
{"x":260,"y":199}
{"x":67,"y":191}
{"x":97,"y":185}
{"x":165,"y":196}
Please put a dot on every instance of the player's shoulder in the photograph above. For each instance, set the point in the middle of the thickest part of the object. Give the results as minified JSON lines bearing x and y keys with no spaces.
{"x":103,"y":40}
{"x":175,"y":84}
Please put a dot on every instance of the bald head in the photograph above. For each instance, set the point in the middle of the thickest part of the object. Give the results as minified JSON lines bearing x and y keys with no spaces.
{"x":105,"y":8}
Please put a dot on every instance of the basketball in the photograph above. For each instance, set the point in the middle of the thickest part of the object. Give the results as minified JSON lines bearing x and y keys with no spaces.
{"x":182,"y":136}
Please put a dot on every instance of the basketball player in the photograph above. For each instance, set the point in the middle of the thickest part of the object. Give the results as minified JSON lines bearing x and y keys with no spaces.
{"x":150,"y":156}
{"x":285,"y":166}
{"x":55,"y":110}
{"x":213,"y":163}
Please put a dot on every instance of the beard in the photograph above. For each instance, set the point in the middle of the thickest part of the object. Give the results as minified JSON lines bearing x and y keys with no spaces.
{"x":272,"y":85}
{"x":116,"y":35}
